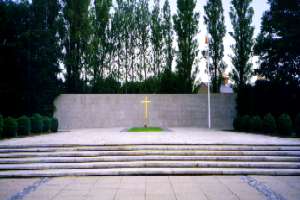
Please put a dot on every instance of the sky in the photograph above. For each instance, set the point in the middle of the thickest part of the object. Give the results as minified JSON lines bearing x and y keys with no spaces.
{"x":259,"y":7}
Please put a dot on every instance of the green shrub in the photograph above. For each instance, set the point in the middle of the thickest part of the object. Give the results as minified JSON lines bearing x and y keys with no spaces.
{"x":36,"y":123}
{"x":297,"y":124}
{"x":285,"y":124}
{"x":24,"y":125}
{"x":54,"y":125}
{"x":237,"y":123}
{"x":46,"y":124}
{"x":245,"y":123}
{"x":1,"y":125}
{"x":269,"y":124}
{"x":10,"y":127}
{"x":256,"y":124}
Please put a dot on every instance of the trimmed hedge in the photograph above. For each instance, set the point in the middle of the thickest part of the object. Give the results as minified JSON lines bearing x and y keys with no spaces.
{"x":285,"y":125}
{"x":269,"y":124}
{"x":10,"y":127}
{"x":245,"y":123}
{"x":1,"y":125}
{"x":36,"y":123}
{"x":54,"y":125}
{"x":256,"y":124}
{"x":24,"y":125}
{"x":237,"y":123}
{"x":46,"y":124}
{"x":297,"y":124}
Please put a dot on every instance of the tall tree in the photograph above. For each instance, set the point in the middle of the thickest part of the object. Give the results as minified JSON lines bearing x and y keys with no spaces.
{"x":241,"y":14}
{"x":156,"y":37}
{"x":75,"y":41}
{"x":29,"y":54}
{"x":143,"y":29}
{"x":214,"y":19}
{"x":167,"y":35}
{"x":278,"y":42}
{"x":99,"y":44}
{"x":186,"y":26}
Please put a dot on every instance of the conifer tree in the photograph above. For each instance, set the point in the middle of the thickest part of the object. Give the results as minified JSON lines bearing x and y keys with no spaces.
{"x":186,"y":27}
{"x":241,"y":14}
{"x":167,"y":35}
{"x":214,"y":19}
{"x":278,"y":42}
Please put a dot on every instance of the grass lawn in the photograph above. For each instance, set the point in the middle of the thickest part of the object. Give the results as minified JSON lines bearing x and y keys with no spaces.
{"x":142,"y":129}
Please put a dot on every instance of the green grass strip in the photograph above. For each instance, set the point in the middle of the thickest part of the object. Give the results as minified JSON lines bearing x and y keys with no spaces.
{"x":148,"y":129}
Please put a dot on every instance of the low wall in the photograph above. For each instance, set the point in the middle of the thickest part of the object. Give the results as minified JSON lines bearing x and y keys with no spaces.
{"x":126,"y":110}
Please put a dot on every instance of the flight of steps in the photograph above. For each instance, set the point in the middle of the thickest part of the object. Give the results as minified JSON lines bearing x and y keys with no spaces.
{"x":200,"y":159}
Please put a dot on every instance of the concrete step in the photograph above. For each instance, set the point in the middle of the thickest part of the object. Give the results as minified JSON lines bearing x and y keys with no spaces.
{"x":148,"y":152}
{"x":148,"y":171}
{"x":148,"y":158}
{"x":151,"y":164}
{"x":54,"y":148}
{"x":195,"y":159}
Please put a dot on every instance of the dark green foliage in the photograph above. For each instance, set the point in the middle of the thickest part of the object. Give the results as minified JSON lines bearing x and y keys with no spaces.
{"x":156,"y":37}
{"x":1,"y":125}
{"x":10,"y":127}
{"x":245,"y":123}
{"x":29,"y":55}
{"x":186,"y":27}
{"x":168,"y":35}
{"x":241,"y":14}
{"x":237,"y":123}
{"x":242,"y":123}
{"x":46,"y":124}
{"x":278,"y":42}
{"x":108,"y":85}
{"x":269,"y":124}
{"x":75,"y":40}
{"x":36,"y":123}
{"x":24,"y":125}
{"x":268,"y":97}
{"x":256,"y":124}
{"x":54,"y":125}
{"x":285,"y":124}
{"x":214,"y":20}
{"x":297,"y":124}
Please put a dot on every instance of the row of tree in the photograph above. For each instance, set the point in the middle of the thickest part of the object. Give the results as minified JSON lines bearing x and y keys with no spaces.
{"x":83,"y":46}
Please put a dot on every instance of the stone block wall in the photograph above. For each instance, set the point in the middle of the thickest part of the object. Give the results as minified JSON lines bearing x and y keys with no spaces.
{"x":126,"y":110}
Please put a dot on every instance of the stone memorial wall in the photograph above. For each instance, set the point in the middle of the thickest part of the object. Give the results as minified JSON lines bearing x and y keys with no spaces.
{"x":76,"y":111}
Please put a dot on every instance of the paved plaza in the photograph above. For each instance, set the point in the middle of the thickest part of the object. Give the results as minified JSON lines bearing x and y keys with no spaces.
{"x":237,"y":187}
{"x":152,"y":188}
{"x":178,"y":135}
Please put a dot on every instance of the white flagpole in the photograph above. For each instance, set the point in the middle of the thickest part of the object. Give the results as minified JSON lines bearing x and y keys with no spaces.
{"x":208,"y":84}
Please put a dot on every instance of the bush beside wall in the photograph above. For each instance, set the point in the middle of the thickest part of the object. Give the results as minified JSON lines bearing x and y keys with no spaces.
{"x":46,"y":124}
{"x":297,"y":125}
{"x":269,"y":124}
{"x":10,"y":127}
{"x":245,"y":125}
{"x":285,"y":125}
{"x":237,"y":123}
{"x":24,"y":125}
{"x":256,"y":124}
{"x":54,"y":125}
{"x":36,"y":123}
{"x":1,"y":125}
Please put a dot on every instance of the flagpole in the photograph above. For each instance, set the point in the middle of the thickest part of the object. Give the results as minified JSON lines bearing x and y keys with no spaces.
{"x":208,"y":84}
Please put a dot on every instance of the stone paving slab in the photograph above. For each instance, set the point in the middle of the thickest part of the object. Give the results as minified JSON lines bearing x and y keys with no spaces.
{"x":177,"y":135}
{"x":155,"y":187}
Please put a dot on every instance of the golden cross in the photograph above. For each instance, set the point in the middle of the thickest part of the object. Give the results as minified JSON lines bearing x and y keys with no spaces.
{"x":146,"y":102}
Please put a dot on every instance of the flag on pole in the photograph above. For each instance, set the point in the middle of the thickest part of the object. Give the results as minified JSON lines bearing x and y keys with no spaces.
{"x":206,"y":39}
